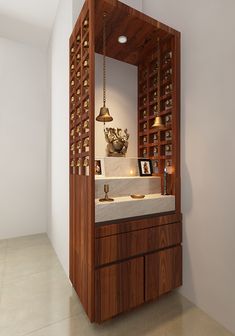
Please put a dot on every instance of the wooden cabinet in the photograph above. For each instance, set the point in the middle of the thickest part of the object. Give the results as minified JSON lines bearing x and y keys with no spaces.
{"x":163,"y":272}
{"x":125,"y":285}
{"x":119,"y":288}
{"x":130,"y":244}
{"x":117,"y":266}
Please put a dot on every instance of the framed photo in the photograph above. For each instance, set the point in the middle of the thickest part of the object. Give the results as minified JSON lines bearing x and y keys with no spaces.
{"x":145,"y":167}
{"x":99,"y":167}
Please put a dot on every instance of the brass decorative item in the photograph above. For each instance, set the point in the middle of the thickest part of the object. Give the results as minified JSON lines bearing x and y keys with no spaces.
{"x":72,"y":148}
{"x":86,"y":125}
{"x":106,"y":197}
{"x":72,"y":132}
{"x":165,"y":179}
{"x":137,"y":196}
{"x":168,"y":104}
{"x":72,"y":117}
{"x":78,"y":163}
{"x":86,"y":142}
{"x":79,"y":145}
{"x":78,"y":129}
{"x":86,"y":162}
{"x":72,"y":163}
{"x":117,"y":141}
{"x":85,"y":44}
{"x":86,"y":103}
{"x":158,"y":122}
{"x":85,"y":23}
{"x":79,"y":112}
{"x":104,"y":115}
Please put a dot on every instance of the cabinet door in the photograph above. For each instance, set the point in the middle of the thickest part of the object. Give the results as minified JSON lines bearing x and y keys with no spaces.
{"x":119,"y":288}
{"x":163,"y":272}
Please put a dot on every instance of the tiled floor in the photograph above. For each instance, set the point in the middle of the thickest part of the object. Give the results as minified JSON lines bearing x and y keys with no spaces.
{"x":36,"y":299}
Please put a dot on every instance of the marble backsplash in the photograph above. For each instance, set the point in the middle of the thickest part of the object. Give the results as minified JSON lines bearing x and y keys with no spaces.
{"x":119,"y":166}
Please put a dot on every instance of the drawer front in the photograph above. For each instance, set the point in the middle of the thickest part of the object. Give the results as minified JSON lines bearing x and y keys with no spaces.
{"x":163,"y":272}
{"x":119,"y":288}
{"x":122,"y":246}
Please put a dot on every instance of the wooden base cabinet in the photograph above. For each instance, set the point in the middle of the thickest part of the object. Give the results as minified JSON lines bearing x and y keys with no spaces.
{"x":119,"y":288}
{"x":136,"y":266}
{"x":163,"y":272}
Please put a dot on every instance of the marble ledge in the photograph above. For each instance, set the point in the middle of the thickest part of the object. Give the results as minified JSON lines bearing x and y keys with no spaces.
{"x":128,"y":185}
{"x":126,"y":207}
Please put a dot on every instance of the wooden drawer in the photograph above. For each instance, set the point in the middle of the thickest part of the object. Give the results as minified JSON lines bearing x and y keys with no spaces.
{"x":119,"y":288}
{"x":163,"y":272}
{"x":122,"y":246}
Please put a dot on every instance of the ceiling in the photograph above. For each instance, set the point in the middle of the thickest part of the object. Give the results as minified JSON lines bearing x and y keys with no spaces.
{"x":28,"y":20}
{"x":142,"y":32}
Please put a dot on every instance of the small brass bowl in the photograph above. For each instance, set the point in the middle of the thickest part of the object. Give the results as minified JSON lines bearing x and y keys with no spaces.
{"x":137,"y":196}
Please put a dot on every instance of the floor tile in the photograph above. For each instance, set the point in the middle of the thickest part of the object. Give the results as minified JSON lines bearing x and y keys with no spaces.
{"x":36,"y":298}
{"x":39,"y":300}
{"x":3,"y":250}
{"x":27,"y":241}
{"x":151,"y":320}
{"x":29,"y":260}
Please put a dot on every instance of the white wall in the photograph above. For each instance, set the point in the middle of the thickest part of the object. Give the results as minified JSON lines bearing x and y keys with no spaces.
{"x":208,"y":118}
{"x":23,"y":139}
{"x":58,"y":228}
{"x":137,"y":4}
{"x":121,"y":101}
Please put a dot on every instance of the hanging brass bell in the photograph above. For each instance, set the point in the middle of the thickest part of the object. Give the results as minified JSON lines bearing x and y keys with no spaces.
{"x":158,"y":122}
{"x":104,"y":115}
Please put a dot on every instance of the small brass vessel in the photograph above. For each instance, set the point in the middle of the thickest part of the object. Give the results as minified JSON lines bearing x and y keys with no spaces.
{"x":137,"y":196}
{"x":106,"y":197}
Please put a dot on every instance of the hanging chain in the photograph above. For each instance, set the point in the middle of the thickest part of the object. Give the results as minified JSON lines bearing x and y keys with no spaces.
{"x":104,"y":58}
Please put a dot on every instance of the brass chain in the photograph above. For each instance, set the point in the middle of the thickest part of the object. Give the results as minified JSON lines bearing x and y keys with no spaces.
{"x":104,"y":58}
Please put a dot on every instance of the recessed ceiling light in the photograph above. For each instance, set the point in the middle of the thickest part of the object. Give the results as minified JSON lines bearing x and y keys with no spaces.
{"x":122,"y":39}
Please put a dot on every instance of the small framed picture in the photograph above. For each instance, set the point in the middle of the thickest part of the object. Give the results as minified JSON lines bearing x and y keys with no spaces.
{"x":145,"y":167}
{"x":99,"y":167}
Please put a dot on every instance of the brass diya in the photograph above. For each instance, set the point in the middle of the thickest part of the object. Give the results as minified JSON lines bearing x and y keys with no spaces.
{"x":137,"y":196}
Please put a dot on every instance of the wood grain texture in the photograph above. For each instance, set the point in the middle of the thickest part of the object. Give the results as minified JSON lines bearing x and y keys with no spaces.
{"x":163,"y":272}
{"x":176,"y":120}
{"x":121,"y":226}
{"x":126,"y":245}
{"x":142,"y":31}
{"x":82,"y":224}
{"x":119,"y":288}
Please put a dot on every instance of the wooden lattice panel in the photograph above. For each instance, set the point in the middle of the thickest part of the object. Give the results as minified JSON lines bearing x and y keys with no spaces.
{"x":156,"y":89}
{"x":79,"y":100}
{"x":82,"y":157}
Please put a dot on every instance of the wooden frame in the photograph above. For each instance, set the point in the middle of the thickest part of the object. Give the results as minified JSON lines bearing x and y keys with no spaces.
{"x":101,"y":277}
{"x":149,"y":168}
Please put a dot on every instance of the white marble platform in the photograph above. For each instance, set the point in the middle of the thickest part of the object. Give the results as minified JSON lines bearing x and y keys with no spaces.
{"x":125,"y":207}
{"x":122,"y":186}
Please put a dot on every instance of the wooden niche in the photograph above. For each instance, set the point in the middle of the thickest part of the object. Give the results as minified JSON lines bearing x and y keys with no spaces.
{"x":117,"y":266}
